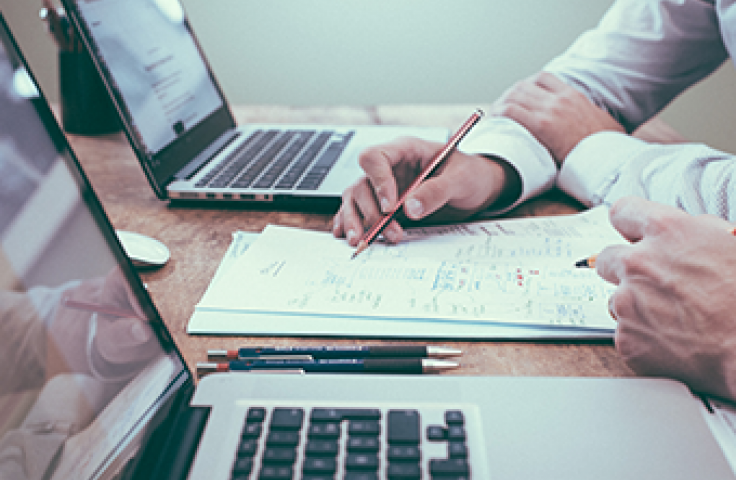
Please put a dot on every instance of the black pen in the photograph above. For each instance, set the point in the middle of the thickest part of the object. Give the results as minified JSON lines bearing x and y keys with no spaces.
{"x":334,"y":365}
{"x":306,"y":352}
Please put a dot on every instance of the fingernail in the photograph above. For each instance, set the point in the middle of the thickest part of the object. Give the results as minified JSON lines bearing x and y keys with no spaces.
{"x":413,"y":208}
{"x":352,"y":235}
{"x":385,"y":206}
{"x":393,"y":234}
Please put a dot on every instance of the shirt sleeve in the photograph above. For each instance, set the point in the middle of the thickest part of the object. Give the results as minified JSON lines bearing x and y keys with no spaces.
{"x":642,"y":54}
{"x":694,"y":177}
{"x":506,"y":140}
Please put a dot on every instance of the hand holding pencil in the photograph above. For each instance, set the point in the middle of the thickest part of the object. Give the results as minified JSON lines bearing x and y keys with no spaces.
{"x":100,"y":329}
{"x":431,"y":167}
{"x":676,"y":294}
{"x":461,"y":186}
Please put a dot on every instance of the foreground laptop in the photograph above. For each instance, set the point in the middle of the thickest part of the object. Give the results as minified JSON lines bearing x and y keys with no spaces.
{"x":181,"y":128}
{"x":92,"y":385}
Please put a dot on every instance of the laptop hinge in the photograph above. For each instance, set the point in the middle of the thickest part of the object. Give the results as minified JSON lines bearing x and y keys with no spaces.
{"x":191,"y":168}
{"x":170,"y":447}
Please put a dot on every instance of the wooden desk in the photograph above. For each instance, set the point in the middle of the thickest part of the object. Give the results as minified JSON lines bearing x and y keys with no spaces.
{"x":199,"y":237}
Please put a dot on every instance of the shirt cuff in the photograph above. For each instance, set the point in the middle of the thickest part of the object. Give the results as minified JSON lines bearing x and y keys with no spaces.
{"x":503,"y":138}
{"x":592,"y":168}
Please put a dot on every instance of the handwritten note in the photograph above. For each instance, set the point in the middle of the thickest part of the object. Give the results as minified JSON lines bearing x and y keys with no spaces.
{"x":503,"y":272}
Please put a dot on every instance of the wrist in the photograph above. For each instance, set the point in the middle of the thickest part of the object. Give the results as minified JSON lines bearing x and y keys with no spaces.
{"x":505,"y":182}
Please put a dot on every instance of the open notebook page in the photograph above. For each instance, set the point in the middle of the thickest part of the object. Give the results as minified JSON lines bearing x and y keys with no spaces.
{"x":500,"y":272}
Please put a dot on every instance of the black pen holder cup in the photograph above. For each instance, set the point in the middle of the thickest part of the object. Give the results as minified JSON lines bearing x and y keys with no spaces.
{"x":86,"y":108}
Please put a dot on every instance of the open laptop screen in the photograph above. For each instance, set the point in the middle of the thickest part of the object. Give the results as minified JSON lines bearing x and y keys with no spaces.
{"x":85,"y":359}
{"x":158,"y":76}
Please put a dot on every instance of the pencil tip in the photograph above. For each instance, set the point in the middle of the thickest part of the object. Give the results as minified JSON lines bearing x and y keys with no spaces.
{"x":581,"y":263}
{"x":361,"y":246}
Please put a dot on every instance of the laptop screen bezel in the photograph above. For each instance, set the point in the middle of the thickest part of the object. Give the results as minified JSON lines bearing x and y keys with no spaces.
{"x":182,"y":381}
{"x":185,"y":148}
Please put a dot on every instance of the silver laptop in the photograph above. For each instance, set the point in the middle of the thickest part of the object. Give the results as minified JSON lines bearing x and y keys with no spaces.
{"x":92,"y":385}
{"x":181,"y":128}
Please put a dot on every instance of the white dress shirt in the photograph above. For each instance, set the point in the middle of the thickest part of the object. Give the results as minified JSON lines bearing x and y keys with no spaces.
{"x":642,"y":55}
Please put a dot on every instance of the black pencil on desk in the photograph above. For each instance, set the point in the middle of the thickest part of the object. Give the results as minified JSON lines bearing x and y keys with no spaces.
{"x":322,"y":352}
{"x":334,"y":365}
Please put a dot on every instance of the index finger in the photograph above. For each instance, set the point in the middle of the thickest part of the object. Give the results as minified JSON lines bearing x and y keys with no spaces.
{"x":632,"y":216}
{"x":387,"y":165}
{"x":609,"y":263}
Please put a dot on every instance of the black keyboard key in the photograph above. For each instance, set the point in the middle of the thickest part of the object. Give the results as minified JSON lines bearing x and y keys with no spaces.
{"x":404,"y":471}
{"x":322,"y":448}
{"x":243,"y":466}
{"x":403,"y":453}
{"x":436,"y":433}
{"x":318,"y":476}
{"x":368,"y":428}
{"x":403,"y":427}
{"x":283,"y":438}
{"x":247,"y":448}
{"x":454,"y":417}
{"x":256,"y":415}
{"x":455,"y":433}
{"x":324,"y":430}
{"x":361,"y":461}
{"x":275,"y":473}
{"x":252,"y":430}
{"x":326,"y":415}
{"x":454,"y":466}
{"x":340,"y":414}
{"x":287,"y":419}
{"x":363,"y":444}
{"x":361,"y":414}
{"x":457,"y":450}
{"x":361,"y":476}
{"x":279,"y":455}
{"x":319,"y":465}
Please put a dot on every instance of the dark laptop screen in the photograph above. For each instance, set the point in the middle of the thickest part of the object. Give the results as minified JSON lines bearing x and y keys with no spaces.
{"x":84,"y":357}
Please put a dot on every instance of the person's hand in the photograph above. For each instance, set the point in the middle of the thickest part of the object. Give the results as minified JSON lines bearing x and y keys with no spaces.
{"x":462,"y":185}
{"x":558,"y":115}
{"x":119,"y":346}
{"x":676,"y":298}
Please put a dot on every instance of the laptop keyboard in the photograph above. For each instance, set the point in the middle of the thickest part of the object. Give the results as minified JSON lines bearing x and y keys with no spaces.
{"x":280,"y":159}
{"x":348,"y":444}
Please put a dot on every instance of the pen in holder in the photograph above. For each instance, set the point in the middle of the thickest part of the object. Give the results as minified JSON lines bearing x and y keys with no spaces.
{"x":86,"y":108}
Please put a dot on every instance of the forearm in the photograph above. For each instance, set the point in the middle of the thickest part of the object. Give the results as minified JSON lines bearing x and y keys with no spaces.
{"x":529,"y":167}
{"x":693,"y":177}
{"x":642,"y":55}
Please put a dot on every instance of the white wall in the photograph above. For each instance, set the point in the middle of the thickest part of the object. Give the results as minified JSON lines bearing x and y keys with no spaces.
{"x":364,"y":52}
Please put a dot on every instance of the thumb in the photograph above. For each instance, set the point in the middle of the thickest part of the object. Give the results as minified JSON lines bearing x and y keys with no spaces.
{"x":428,"y":197}
{"x":118,"y":341}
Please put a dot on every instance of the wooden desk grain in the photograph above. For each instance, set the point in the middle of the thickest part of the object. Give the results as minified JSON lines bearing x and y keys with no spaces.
{"x":199,"y":237}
